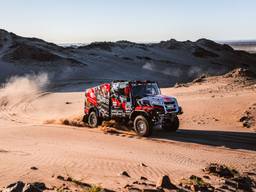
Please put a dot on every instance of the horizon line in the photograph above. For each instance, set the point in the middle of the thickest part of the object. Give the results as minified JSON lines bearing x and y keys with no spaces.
{"x":139,"y":42}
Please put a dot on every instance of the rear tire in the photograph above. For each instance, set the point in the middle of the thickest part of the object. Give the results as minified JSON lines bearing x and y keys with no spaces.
{"x":172,"y":125}
{"x":142,"y":126}
{"x":94,"y":120}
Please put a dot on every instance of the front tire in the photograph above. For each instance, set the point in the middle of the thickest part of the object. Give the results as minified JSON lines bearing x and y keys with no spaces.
{"x":142,"y":126}
{"x":94,"y":120}
{"x":171,"y":125}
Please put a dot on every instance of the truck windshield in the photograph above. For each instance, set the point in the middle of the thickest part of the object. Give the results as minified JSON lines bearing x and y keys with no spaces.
{"x":143,"y":90}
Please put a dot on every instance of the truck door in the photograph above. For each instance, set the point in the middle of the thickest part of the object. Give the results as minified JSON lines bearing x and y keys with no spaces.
{"x":103,"y":98}
{"x":120,"y":99}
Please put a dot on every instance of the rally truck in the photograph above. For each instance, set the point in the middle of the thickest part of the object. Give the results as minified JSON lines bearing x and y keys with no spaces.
{"x":138,"y":103}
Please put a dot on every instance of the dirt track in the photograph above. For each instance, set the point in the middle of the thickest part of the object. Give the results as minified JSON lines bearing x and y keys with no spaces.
{"x":210,"y":132}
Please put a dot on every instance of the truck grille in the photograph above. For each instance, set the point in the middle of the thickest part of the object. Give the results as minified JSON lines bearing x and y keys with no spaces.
{"x":170,"y":106}
{"x":169,"y":103}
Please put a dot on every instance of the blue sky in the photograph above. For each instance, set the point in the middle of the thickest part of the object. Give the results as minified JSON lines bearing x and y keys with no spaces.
{"x":84,"y":21}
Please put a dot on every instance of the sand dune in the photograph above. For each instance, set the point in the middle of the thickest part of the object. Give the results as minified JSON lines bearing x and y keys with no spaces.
{"x":168,"y":62}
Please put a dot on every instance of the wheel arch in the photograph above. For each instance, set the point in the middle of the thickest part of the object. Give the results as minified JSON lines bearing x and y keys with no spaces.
{"x":95,"y":109}
{"x":134,"y":114}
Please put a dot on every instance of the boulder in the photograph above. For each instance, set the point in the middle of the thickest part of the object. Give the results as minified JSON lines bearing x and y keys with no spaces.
{"x":35,"y":187}
{"x":165,"y":182}
{"x":15,"y":187}
{"x":220,"y":170}
{"x":124,"y":173}
{"x":245,"y":183}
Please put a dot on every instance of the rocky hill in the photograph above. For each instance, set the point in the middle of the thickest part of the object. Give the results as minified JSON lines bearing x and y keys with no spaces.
{"x":168,"y":62}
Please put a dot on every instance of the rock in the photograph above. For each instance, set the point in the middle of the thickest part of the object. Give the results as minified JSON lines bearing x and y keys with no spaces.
{"x":127,"y":186}
{"x":69,"y":179}
{"x":200,"y":79}
{"x":195,"y":183}
{"x":143,"y":178}
{"x":243,"y":118}
{"x":124,"y":173}
{"x":239,"y":183}
{"x":34,"y":168}
{"x":247,"y":124}
{"x":206,"y":177}
{"x":143,"y":165}
{"x":249,"y":117}
{"x":224,"y":187}
{"x":245,"y":183}
{"x":231,"y":183}
{"x":15,"y":187}
{"x":194,"y":188}
{"x":250,"y":173}
{"x":240,"y":72}
{"x":220,"y":170}
{"x":35,"y":187}
{"x":60,"y":178}
{"x":164,"y":182}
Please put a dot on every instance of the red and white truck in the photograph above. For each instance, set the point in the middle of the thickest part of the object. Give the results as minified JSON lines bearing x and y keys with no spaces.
{"x":139,"y":102}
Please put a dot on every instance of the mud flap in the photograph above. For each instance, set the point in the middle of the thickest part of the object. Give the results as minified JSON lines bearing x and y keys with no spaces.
{"x":85,"y":118}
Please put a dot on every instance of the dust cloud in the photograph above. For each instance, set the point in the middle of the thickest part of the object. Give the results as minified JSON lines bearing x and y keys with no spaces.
{"x":20,"y":87}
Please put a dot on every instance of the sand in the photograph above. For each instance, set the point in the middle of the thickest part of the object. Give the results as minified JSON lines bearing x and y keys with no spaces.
{"x":31,"y":134}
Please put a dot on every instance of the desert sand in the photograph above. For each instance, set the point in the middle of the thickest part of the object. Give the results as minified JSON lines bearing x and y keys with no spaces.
{"x":32,"y":134}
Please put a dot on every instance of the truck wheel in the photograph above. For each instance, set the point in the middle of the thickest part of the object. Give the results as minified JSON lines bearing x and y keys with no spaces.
{"x":94,"y":120}
{"x":142,"y":126}
{"x":172,"y":125}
